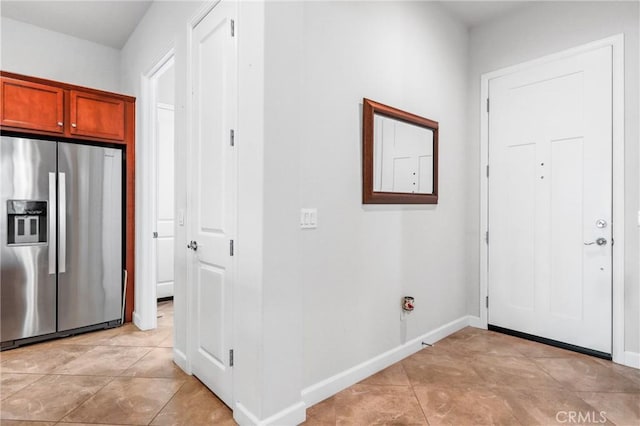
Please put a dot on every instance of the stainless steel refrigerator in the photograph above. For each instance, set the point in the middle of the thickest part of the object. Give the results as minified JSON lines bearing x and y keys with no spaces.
{"x":61,"y":238}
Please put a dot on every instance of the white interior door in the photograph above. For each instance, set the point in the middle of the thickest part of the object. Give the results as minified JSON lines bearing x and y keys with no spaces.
{"x":165,"y":204}
{"x":213,"y":201}
{"x":550,"y":200}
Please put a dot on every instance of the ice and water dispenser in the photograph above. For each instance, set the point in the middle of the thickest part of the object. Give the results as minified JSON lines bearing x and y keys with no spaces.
{"x":27,"y":222}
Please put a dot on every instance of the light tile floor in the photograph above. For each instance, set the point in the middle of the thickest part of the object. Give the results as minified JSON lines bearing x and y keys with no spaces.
{"x":125,"y":376}
{"x":120,"y":376}
{"x":478,"y":377}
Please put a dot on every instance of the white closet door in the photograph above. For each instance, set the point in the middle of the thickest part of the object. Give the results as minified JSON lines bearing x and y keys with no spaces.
{"x":213,"y":199}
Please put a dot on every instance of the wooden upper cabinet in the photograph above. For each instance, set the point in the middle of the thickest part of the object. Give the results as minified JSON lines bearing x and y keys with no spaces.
{"x":52,"y":108}
{"x":96,"y":115}
{"x":29,"y":105}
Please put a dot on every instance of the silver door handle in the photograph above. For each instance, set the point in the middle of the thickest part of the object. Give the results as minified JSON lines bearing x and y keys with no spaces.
{"x":51,"y":212}
{"x":62,"y":212}
{"x":600,"y":241}
{"x":193,"y":245}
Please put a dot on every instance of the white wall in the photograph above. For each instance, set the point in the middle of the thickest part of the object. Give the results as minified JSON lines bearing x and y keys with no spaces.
{"x":359,"y":262}
{"x":34,"y":51}
{"x":535,"y":31}
{"x":283,"y":130}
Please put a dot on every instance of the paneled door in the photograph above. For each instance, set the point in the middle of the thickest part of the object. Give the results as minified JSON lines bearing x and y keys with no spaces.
{"x":550,"y":200}
{"x":212,"y":208}
{"x":165,"y":205}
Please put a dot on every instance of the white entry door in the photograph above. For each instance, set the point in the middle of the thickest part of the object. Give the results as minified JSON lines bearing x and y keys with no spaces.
{"x":550,"y":200}
{"x":165,"y":204}
{"x":213,"y":199}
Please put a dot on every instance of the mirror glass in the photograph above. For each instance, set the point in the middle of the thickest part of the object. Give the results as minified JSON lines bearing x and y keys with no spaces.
{"x":399,"y":156}
{"x":403,"y":157}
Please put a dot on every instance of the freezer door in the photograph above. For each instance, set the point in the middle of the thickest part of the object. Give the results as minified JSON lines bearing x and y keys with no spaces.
{"x":27,"y":238}
{"x":90,"y":224}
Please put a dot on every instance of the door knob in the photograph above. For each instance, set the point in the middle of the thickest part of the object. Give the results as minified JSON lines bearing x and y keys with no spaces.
{"x":193,"y":245}
{"x":600,"y":241}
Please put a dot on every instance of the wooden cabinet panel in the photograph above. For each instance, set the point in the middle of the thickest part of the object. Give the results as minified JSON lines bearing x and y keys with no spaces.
{"x":96,"y":115}
{"x":29,"y":105}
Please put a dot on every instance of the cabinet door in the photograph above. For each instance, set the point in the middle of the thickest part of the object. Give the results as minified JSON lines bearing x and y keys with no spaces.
{"x":96,"y":115}
{"x":31,"y":106}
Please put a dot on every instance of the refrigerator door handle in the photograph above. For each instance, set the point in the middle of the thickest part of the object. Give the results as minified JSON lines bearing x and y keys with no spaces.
{"x":62,"y":213}
{"x":52,"y":223}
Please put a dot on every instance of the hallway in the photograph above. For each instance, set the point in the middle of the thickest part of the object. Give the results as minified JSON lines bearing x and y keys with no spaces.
{"x":126,"y":376}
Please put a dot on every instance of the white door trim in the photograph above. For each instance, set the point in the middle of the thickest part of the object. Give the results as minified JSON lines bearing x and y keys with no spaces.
{"x":617,"y":43}
{"x":145,"y":313}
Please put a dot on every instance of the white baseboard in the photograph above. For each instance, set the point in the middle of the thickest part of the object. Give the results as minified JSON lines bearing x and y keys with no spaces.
{"x":331,"y":386}
{"x":293,"y":415}
{"x":164,"y":290}
{"x":180,"y":358}
{"x":140,"y":323}
{"x":632,"y":359}
{"x":137,"y":321}
{"x":476,"y":322}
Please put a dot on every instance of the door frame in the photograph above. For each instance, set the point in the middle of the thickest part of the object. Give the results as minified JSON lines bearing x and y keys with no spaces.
{"x":146,"y":310}
{"x":617,"y":44}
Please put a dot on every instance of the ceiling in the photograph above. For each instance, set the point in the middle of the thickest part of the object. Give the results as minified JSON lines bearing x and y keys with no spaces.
{"x":473,"y":13}
{"x":109,"y":23}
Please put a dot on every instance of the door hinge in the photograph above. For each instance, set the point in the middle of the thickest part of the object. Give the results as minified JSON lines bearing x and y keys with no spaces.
{"x":230,"y":357}
{"x":231,"y":248}
{"x":487,"y":104}
{"x":487,"y":170}
{"x":486,"y":237}
{"x":155,"y":235}
{"x":486,"y":302}
{"x":232,"y":137}
{"x":233,"y":28}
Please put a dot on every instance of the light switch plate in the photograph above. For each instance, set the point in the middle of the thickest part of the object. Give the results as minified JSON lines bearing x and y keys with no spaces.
{"x":308,"y":218}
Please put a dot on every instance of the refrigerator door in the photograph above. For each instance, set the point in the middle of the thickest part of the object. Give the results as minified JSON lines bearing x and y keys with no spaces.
{"x":90,"y":224}
{"x":27,"y":238}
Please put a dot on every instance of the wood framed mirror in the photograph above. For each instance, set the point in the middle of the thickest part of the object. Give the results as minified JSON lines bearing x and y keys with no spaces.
{"x":399,"y":156}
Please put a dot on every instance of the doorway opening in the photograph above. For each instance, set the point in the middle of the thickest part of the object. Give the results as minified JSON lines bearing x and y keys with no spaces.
{"x":157,"y":207}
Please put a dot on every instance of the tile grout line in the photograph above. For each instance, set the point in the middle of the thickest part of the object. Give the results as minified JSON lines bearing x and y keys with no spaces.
{"x":86,"y":399}
{"x":415,"y":395}
{"x":168,"y":401}
{"x":5,"y":397}
{"x":591,"y":406}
